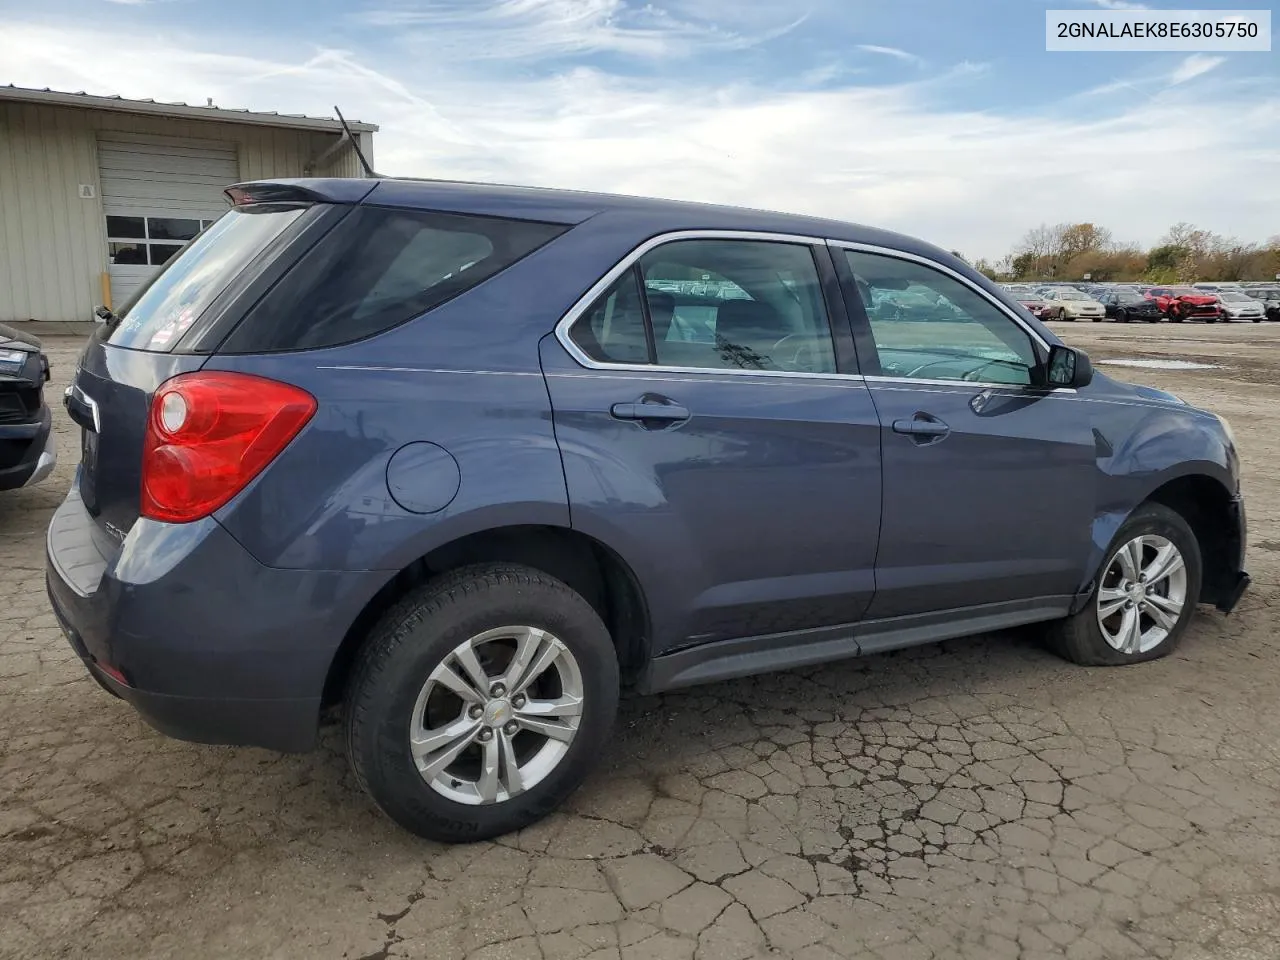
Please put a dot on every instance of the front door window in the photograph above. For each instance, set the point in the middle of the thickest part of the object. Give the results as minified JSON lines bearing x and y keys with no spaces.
{"x":927,"y":325}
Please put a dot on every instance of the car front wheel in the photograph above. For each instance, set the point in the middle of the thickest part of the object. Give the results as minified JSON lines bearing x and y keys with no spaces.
{"x":1144,"y":596}
{"x":480,"y":702}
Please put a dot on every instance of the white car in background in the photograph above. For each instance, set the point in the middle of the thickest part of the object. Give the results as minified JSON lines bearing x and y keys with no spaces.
{"x":1238,"y":305}
{"x":1066,"y":303}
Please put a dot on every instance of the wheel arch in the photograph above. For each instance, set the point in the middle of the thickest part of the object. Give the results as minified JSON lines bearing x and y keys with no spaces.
{"x":1200,"y":495}
{"x":589,"y":566}
{"x":1209,"y":509}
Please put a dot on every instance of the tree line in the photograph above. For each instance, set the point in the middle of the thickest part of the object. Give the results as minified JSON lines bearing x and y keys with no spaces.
{"x":1185,"y":254}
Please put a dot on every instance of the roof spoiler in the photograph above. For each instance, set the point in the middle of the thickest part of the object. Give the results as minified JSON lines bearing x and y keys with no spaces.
{"x":299,"y":191}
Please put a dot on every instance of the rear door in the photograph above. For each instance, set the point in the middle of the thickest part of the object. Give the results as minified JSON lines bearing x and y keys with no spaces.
{"x":988,"y":478}
{"x":715,"y":432}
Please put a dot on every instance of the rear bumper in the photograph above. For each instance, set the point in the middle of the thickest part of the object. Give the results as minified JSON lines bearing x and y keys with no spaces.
{"x":206,"y":644}
{"x":36,"y":452}
{"x":286,"y":725}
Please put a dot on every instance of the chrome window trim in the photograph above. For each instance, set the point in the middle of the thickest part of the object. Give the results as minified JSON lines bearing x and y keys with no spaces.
{"x":943,"y":268}
{"x":626,"y":263}
{"x":708,"y":375}
{"x":963,"y":386}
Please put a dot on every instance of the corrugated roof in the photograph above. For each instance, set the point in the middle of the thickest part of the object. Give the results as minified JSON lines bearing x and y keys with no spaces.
{"x":177,"y":109}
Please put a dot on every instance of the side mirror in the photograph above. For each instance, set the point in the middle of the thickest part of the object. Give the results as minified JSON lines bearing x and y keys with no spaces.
{"x":1069,"y":367}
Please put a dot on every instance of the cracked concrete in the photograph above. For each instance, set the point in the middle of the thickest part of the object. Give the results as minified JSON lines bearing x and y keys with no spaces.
{"x":978,"y":799}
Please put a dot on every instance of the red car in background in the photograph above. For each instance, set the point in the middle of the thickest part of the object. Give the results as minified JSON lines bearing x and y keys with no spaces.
{"x":1185,"y":303}
{"x":1027,"y":296}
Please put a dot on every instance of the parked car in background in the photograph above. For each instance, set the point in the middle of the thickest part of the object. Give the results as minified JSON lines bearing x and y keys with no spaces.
{"x":28,"y":452}
{"x":1067,"y":303}
{"x":437,"y":454}
{"x":1186,"y":303}
{"x":1125,"y":305}
{"x":1033,"y":301}
{"x":1269,"y":297}
{"x":1237,"y":305}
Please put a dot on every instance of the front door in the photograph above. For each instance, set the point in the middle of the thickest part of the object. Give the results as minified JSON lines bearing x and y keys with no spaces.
{"x":711,"y":437}
{"x":989,"y":479}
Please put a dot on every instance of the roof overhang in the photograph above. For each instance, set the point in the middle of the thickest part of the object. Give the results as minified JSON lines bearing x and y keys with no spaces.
{"x":179,"y":111}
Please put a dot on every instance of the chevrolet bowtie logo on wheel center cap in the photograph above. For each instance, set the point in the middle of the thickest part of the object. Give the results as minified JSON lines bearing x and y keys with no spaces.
{"x":497,"y":712}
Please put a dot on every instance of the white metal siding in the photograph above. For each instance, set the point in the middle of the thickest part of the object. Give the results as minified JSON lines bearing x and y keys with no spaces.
{"x":53,"y":245}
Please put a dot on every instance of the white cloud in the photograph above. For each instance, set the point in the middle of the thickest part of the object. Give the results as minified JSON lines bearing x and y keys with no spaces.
{"x":883,"y":155}
{"x":894,"y":52}
{"x":1119,"y":4}
{"x":530,"y":29}
{"x":1194,"y":66}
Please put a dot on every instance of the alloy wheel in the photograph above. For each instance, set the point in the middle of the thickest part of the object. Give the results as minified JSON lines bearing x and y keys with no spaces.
{"x":497,"y":715}
{"x":1142,"y":595}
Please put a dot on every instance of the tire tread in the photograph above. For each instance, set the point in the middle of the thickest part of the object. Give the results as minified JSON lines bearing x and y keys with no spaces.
{"x":1077,"y":637}
{"x":398,"y":625}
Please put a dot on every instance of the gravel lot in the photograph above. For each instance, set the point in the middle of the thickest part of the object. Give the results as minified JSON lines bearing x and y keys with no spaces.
{"x":975,"y":799}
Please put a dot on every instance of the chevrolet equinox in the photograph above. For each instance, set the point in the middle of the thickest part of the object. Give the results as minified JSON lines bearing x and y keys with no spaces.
{"x":464,"y":460}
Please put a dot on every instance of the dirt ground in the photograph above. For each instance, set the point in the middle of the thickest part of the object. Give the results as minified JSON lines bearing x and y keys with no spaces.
{"x":977,"y":799}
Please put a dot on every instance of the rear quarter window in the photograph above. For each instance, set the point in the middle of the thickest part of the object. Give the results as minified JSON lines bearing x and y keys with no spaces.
{"x":378,"y":268}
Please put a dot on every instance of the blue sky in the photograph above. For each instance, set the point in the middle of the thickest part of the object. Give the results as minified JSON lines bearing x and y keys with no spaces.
{"x":941,"y":118}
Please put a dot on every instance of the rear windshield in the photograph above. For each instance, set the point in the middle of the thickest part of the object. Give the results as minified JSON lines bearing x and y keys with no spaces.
{"x":165,"y":309}
{"x":378,"y":268}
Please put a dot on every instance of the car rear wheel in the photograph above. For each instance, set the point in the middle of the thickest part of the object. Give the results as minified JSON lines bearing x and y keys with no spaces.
{"x":1123,"y":316}
{"x":480,"y":702}
{"x":1144,"y":597}
{"x":1062,"y":315}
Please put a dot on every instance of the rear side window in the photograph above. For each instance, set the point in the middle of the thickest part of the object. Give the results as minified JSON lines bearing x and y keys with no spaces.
{"x":163,"y":310}
{"x":378,"y":268}
{"x":714,"y":305}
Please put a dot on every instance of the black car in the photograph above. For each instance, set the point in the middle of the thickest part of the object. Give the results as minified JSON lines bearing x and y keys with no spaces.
{"x":27,"y":452}
{"x":1126,"y":304}
{"x":1270,"y":297}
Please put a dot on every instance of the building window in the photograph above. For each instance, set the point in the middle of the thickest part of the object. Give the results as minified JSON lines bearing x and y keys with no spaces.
{"x":143,"y":241}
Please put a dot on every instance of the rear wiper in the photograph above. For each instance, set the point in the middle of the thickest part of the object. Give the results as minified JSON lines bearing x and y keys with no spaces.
{"x":106,"y":315}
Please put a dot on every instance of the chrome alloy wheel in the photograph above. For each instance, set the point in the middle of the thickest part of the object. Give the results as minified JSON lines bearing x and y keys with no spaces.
{"x":1143,"y":592}
{"x":497,"y":715}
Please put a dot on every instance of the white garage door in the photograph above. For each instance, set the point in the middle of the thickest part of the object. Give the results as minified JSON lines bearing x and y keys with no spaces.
{"x":157,"y":194}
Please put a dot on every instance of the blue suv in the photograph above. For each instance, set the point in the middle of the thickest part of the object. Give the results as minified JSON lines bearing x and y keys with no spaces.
{"x":463,"y":460}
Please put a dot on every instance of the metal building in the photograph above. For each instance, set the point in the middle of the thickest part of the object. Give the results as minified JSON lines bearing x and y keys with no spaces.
{"x":96,"y":193}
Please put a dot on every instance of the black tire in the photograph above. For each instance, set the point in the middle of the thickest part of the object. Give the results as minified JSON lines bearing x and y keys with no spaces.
{"x":1062,"y":315}
{"x":416,"y":635}
{"x":1123,"y":316}
{"x":1078,"y":638}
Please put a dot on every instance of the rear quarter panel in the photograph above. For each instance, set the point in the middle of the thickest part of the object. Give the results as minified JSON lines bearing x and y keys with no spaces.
{"x":465,"y":377}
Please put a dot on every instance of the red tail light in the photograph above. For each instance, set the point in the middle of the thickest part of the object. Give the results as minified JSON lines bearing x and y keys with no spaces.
{"x":209,"y":434}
